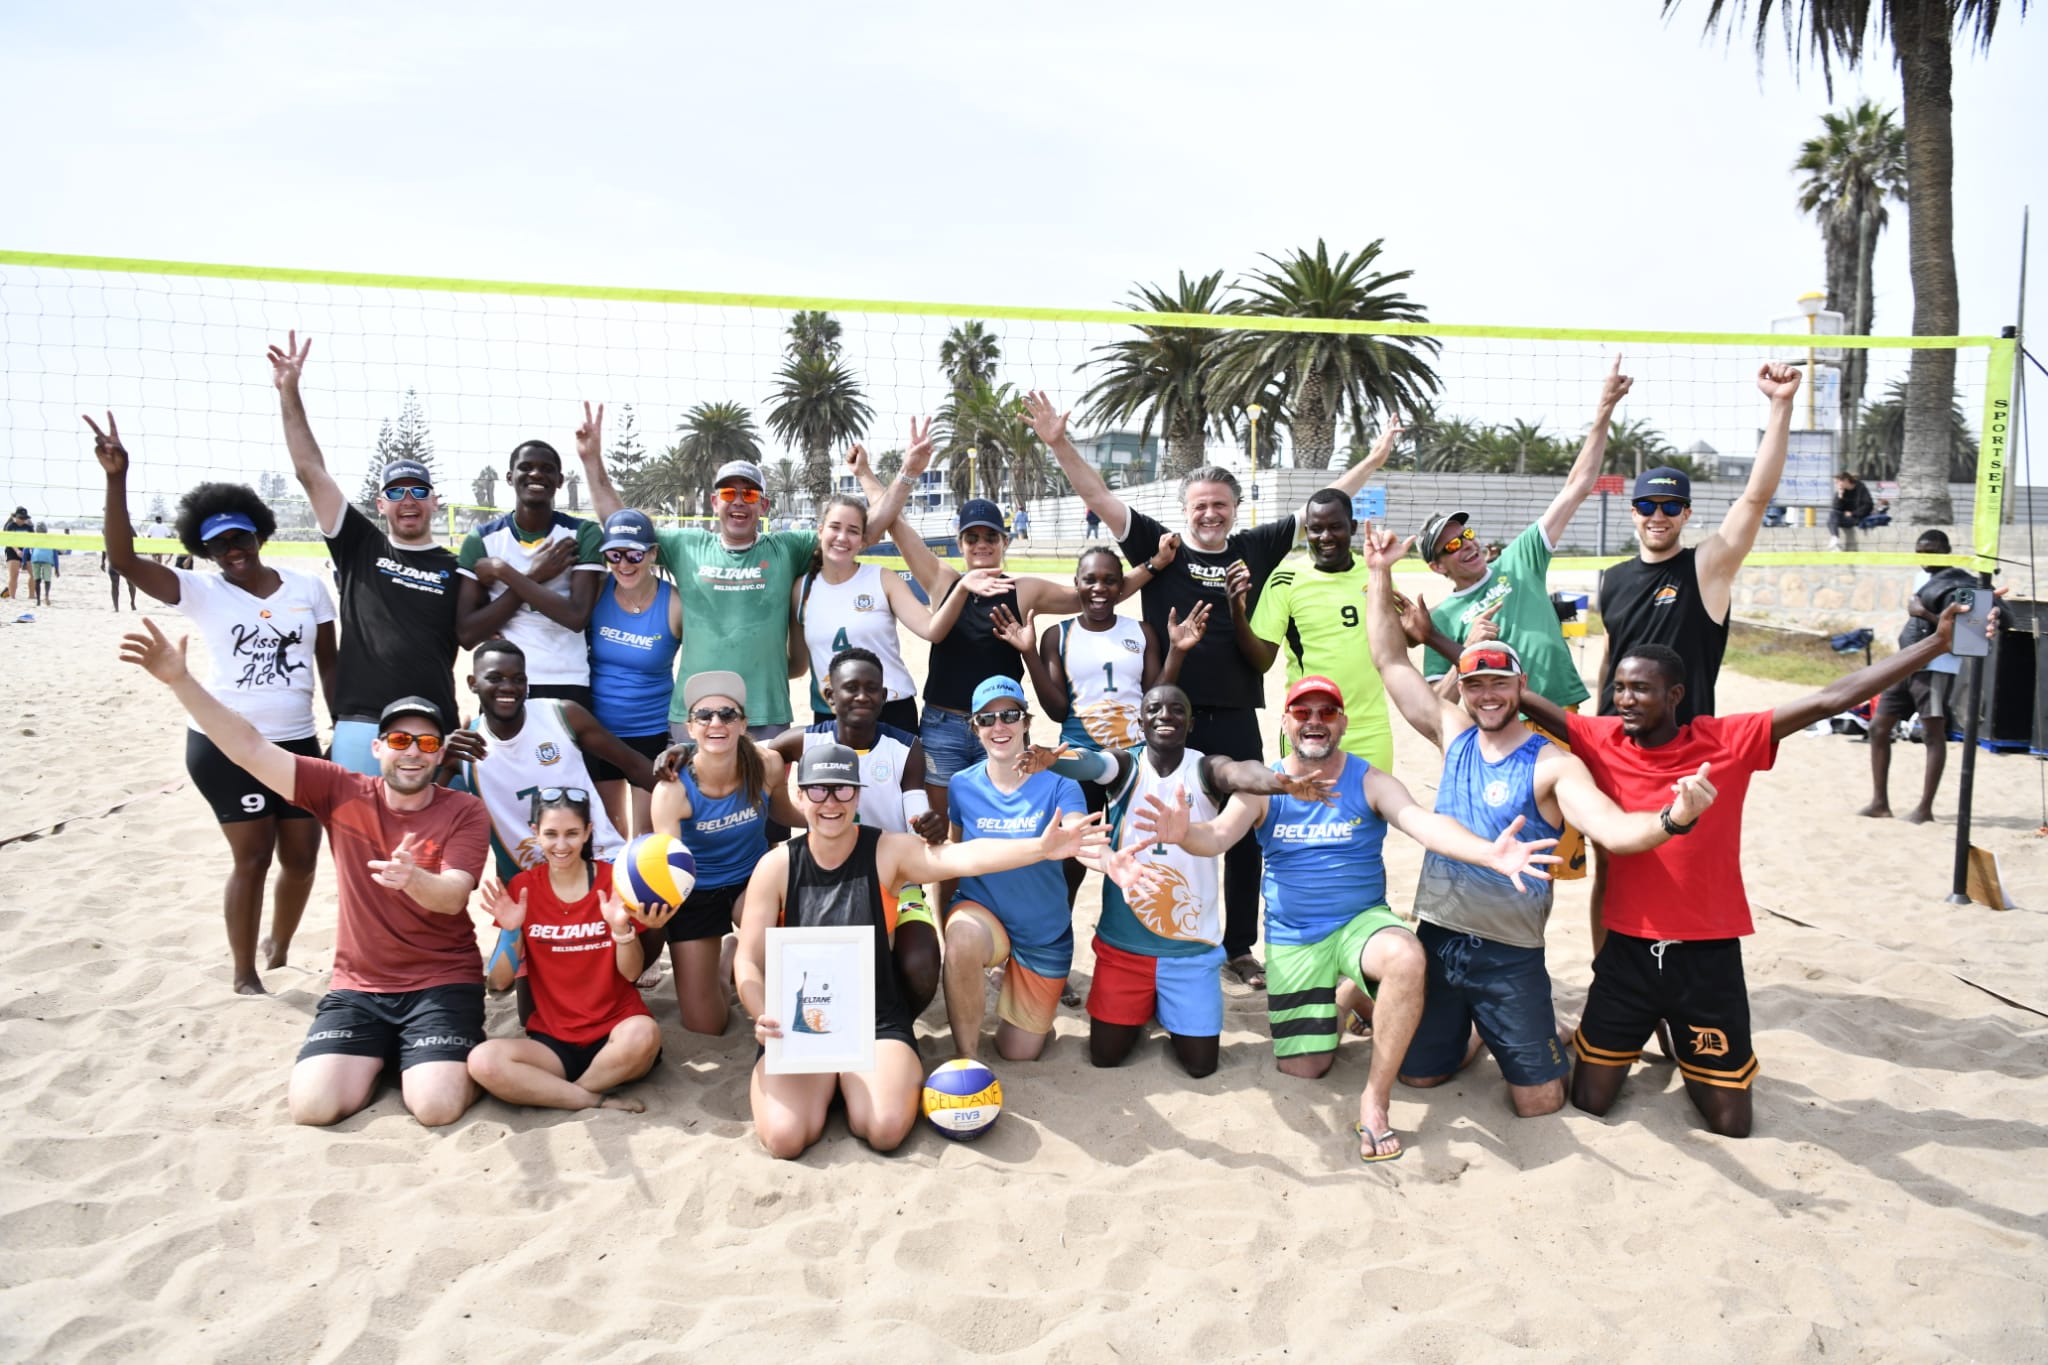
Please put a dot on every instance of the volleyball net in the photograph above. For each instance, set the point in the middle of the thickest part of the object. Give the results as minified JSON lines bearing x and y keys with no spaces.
{"x":458,"y":372}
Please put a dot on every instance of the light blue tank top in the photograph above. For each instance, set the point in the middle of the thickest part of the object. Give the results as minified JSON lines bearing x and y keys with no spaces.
{"x":1485,"y":798}
{"x":632,"y":663}
{"x":1323,"y":863}
{"x":725,"y":834}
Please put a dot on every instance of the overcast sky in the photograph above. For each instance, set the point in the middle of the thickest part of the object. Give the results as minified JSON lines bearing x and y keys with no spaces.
{"x":1585,"y":164}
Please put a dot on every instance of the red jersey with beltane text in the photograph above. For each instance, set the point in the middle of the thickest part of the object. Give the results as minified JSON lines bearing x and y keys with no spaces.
{"x":1689,"y":887}
{"x":385,"y":942}
{"x":572,"y":965}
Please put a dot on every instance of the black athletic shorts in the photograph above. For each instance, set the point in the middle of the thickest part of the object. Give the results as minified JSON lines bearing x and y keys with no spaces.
{"x":901,"y":713}
{"x":1696,"y":987}
{"x":234,"y":795}
{"x":647,"y":746}
{"x":579,"y":693}
{"x":709,"y":912}
{"x":438,"y":1024}
{"x":1925,"y":694}
{"x":577,"y":1057}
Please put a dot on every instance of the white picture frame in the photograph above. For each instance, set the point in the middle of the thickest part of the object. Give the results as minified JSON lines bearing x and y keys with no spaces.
{"x":833,"y":1029}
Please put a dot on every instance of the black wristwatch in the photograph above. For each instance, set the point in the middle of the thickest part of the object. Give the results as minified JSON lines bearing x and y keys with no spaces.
{"x":1672,"y":827}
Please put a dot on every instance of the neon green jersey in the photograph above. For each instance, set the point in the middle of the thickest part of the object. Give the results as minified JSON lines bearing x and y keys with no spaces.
{"x":1318,"y":620}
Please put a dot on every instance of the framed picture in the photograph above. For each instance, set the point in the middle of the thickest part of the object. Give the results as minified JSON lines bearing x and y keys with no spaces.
{"x":821,"y":989}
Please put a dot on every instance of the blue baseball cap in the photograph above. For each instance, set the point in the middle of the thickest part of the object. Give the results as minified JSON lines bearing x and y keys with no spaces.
{"x":998,"y":688}
{"x":1663,"y":482}
{"x":629,"y":528}
{"x":982,"y":512}
{"x":220,"y":523}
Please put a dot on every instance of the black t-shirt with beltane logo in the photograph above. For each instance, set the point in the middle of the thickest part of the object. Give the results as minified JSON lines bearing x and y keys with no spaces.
{"x":397,"y":622}
{"x":1216,"y":674}
{"x":1660,"y":604}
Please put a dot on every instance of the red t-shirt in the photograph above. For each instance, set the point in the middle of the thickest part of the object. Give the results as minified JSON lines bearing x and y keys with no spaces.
{"x":384,"y":940}
{"x":1689,"y":887}
{"x":572,"y":964}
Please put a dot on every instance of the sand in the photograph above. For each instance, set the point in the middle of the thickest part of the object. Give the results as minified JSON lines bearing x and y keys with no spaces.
{"x":158,"y":1204}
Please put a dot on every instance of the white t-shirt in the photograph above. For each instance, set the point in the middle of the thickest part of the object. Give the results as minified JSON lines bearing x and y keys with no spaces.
{"x":262,"y":647}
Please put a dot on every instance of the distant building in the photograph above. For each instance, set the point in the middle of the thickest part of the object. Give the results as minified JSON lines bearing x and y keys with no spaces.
{"x":1704,"y":456}
{"x":1122,"y":456}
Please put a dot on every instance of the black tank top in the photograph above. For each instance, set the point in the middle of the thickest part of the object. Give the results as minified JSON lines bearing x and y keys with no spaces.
{"x":971,"y":651}
{"x":849,"y":894}
{"x":1659,"y":604}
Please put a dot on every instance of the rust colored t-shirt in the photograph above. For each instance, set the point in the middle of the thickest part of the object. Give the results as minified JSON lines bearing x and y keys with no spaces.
{"x":384,"y":940}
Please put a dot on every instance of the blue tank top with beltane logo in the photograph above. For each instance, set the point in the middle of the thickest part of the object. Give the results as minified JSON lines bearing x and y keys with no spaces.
{"x":1485,"y":798}
{"x":632,"y":663}
{"x":1323,"y":863}
{"x":727,"y":835}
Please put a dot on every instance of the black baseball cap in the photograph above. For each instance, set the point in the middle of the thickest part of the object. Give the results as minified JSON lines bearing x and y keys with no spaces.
{"x":412,"y":706}
{"x":829,"y":765}
{"x":1663,"y":482}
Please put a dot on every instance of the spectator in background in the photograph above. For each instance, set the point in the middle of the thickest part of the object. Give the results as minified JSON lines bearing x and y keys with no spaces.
{"x":17,"y":520}
{"x":1852,"y":505}
{"x":42,"y":567}
{"x":1927,"y":693}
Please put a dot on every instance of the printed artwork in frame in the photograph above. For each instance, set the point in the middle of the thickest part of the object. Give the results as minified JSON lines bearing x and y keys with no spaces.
{"x":821,"y":989}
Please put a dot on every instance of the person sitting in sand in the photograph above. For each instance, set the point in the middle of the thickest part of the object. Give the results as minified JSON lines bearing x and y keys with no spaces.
{"x":1327,"y":918}
{"x":408,"y":984}
{"x":834,"y":875}
{"x":589,"y":1031}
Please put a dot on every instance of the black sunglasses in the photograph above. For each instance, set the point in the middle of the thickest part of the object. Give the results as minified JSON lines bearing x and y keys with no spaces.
{"x":821,"y":793}
{"x":230,"y":540}
{"x":625,"y":556}
{"x":704,"y":715}
{"x":1008,"y":716}
{"x":1670,"y":507}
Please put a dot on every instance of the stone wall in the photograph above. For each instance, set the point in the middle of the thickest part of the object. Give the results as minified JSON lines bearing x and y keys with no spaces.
{"x":1825,"y":599}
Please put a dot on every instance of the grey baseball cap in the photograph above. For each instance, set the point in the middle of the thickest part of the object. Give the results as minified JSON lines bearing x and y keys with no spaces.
{"x":399,"y":470}
{"x":733,"y":470}
{"x":716,"y":683}
{"x":829,"y":765}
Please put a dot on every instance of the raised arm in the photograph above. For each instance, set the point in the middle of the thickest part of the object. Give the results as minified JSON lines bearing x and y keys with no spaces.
{"x":1722,"y":552}
{"x":1167,"y":821}
{"x":1416,"y":700}
{"x":1585,"y":471}
{"x":324,"y":495}
{"x":604,"y":499}
{"x":887,"y":505}
{"x":159,"y":581}
{"x":274,"y":767}
{"x":1351,"y":480}
{"x":1258,"y":651}
{"x":1051,"y":425}
{"x":905,"y":857}
{"x":1845,"y":692}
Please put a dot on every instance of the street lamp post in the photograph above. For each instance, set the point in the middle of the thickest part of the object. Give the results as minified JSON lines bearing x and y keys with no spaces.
{"x":1254,"y":411}
{"x":1809,"y":304}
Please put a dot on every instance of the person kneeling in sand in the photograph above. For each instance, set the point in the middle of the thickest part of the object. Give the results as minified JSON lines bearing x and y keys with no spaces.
{"x":408,"y":985}
{"x":1327,"y":918}
{"x":589,"y":1030}
{"x":834,"y":875}
{"x":1484,"y":935}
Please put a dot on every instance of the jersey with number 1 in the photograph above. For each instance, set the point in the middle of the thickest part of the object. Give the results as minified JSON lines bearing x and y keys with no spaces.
{"x":1318,"y":620}
{"x":1105,"y":682}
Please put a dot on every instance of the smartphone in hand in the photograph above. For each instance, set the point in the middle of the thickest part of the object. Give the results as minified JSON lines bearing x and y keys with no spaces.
{"x":1971,"y":642}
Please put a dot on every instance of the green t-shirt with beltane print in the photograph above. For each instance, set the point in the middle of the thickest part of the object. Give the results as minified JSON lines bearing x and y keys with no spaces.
{"x":736,"y":611}
{"x":1318,"y":620}
{"x":1517,"y":580}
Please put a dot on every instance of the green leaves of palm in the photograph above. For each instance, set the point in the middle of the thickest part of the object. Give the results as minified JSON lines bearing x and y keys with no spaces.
{"x":989,"y":420}
{"x":1161,"y":376}
{"x":818,"y":405}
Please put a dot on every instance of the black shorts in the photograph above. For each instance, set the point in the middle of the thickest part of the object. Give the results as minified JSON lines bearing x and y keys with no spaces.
{"x":577,"y":1057}
{"x":1696,"y":987}
{"x":577,"y":692}
{"x":1925,"y":694}
{"x":234,"y":795}
{"x":438,"y":1024}
{"x":647,"y":746}
{"x":708,"y":912}
{"x":901,"y":713}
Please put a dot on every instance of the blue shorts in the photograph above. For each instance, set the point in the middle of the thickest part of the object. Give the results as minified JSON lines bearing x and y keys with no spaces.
{"x":1505,"y":991}
{"x":949,"y":746}
{"x":351,"y":749}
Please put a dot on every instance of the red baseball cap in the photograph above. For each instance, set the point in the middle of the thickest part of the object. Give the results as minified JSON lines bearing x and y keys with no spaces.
{"x":1311,"y":685}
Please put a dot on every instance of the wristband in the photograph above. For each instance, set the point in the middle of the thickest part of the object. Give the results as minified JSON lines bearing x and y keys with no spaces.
{"x":507,"y":948}
{"x":915,"y":804}
{"x":624,"y":938}
{"x":1672,"y":827}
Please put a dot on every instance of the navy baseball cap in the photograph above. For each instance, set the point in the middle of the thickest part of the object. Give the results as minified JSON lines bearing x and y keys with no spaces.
{"x":1663,"y":482}
{"x":982,"y":512}
{"x":629,"y":528}
{"x":220,"y":523}
{"x":998,"y":688}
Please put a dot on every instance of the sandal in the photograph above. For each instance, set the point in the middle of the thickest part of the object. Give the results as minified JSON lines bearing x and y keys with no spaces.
{"x":1248,"y":970}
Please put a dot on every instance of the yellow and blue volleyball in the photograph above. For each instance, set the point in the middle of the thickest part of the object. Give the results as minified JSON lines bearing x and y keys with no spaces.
{"x":963,"y":1099}
{"x":654,"y":870}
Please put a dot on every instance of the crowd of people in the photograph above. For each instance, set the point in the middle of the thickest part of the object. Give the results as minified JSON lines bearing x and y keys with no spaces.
{"x":625,"y":678}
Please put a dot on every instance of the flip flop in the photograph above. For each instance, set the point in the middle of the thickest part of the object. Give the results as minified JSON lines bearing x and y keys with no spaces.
{"x":1358,"y":1130}
{"x":1246,"y":969}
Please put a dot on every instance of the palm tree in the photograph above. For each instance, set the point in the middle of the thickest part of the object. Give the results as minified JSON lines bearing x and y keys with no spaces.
{"x":1633,"y":445}
{"x":1009,"y":461}
{"x":1851,"y":170}
{"x":783,"y":485}
{"x":1922,"y":34}
{"x":1881,"y":438}
{"x":1162,"y":373}
{"x":1325,"y":375}
{"x":887,"y":464}
{"x":812,"y":333}
{"x":712,"y":434}
{"x":818,"y":405}
{"x":969,"y":354}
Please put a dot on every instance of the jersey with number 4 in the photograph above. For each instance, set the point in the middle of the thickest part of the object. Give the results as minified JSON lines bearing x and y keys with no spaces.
{"x":1318,"y":620}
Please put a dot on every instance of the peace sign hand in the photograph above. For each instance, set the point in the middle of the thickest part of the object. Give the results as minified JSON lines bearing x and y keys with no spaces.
{"x":919,"y":453}
{"x":288,"y":363}
{"x":590,"y":436}
{"x":107,"y":448}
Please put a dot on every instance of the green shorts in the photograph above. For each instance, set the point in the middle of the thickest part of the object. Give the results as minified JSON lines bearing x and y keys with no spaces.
{"x":1301,"y":982}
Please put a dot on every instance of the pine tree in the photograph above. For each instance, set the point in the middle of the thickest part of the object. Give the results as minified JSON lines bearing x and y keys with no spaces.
{"x":408,"y":439}
{"x":626,"y":461}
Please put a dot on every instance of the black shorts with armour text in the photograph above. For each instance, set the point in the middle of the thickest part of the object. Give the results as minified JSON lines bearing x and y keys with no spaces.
{"x":438,"y":1024}
{"x":1696,"y":987}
